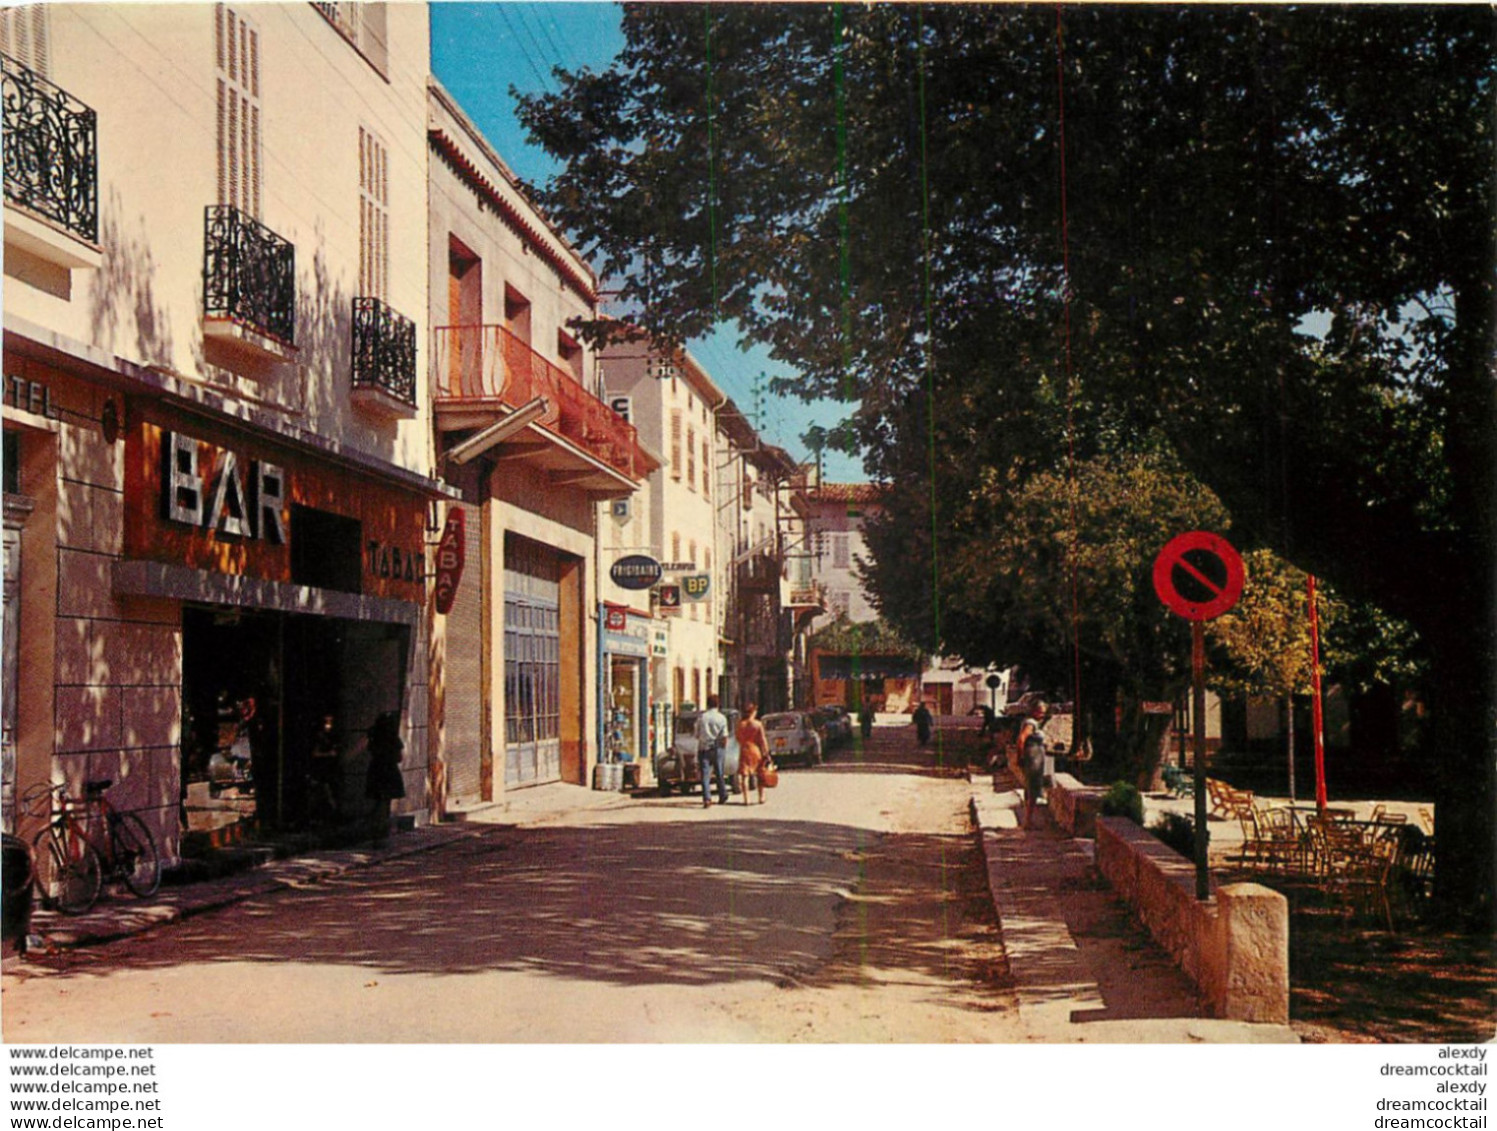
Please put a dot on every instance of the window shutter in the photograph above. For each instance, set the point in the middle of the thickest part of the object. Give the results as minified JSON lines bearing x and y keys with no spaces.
{"x":706,"y":471}
{"x":691,"y":457}
{"x":25,"y":35}
{"x":675,"y":443}
{"x":374,"y":216}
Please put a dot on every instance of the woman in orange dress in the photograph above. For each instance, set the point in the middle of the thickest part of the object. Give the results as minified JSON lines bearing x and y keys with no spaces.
{"x":753,"y":751}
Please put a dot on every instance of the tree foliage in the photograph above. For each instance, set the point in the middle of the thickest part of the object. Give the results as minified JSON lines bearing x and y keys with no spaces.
{"x":1261,"y":233}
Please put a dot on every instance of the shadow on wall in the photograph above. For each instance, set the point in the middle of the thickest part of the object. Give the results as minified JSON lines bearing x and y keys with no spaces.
{"x":125,"y":315}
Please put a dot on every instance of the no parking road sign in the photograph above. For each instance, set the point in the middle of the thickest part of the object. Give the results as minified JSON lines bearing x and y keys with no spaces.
{"x":1198,"y":575}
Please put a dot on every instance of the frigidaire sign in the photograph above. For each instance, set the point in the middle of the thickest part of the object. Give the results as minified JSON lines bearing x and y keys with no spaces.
{"x":637,"y":571}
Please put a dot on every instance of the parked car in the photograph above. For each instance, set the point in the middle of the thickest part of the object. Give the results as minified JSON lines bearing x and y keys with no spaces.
{"x":792,"y":734}
{"x":834,"y":724}
{"x":677,"y":766}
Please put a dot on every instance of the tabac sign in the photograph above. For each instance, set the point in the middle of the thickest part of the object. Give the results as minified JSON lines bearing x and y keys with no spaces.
{"x":450,"y":551}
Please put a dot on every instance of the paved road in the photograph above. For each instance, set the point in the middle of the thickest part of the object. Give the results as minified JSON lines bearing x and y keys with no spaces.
{"x":851,"y":907}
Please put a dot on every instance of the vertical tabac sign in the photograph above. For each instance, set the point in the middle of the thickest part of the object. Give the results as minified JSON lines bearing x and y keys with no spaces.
{"x":1199,"y":576}
{"x":450,"y":560}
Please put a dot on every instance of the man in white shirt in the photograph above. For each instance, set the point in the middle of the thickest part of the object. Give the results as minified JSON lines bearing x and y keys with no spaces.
{"x":712,"y":749}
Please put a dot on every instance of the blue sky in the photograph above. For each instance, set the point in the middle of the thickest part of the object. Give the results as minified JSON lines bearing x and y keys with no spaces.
{"x":480,"y":49}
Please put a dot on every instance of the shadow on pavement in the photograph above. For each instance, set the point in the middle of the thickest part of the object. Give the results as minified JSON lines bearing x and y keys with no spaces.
{"x":658,"y":903}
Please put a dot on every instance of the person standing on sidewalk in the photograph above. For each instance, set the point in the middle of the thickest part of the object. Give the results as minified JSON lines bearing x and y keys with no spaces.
{"x":384,"y":783}
{"x":1031,"y":747}
{"x":712,"y":749}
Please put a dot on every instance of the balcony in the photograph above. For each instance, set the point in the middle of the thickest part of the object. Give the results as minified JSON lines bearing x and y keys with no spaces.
{"x":760,"y":572}
{"x":484,"y":372}
{"x":384,"y":359}
{"x":249,"y":283}
{"x":51,"y":169}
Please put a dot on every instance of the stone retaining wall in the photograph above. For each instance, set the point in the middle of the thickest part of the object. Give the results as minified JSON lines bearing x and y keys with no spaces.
{"x":1074,"y":807}
{"x":1235,"y":946}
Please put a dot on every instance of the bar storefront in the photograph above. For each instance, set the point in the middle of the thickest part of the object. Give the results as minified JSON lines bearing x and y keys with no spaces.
{"x":301,"y":578}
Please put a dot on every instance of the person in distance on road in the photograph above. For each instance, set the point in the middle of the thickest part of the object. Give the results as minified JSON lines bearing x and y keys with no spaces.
{"x":753,"y":751}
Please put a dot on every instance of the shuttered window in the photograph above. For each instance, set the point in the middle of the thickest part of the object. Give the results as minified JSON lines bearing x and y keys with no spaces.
{"x":675,"y":443}
{"x":374,"y":216}
{"x":26,"y":37}
{"x":691,"y":458}
{"x":237,"y":51}
{"x":706,"y":471}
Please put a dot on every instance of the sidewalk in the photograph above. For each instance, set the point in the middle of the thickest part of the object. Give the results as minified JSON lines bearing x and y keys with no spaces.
{"x":118,"y":914}
{"x":1076,"y":980}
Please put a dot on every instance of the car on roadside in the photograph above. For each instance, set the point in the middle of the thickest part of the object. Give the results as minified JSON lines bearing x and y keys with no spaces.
{"x":834,"y":724}
{"x":793,"y":735}
{"x":676,"y":767}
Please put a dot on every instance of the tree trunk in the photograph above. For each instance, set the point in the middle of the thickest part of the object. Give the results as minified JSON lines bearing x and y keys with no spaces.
{"x":1460,"y":741}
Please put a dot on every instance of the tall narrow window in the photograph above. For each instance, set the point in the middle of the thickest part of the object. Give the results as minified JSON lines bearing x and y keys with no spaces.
{"x":374,"y":216}
{"x":841,"y":558}
{"x":706,"y":471}
{"x":517,"y":314}
{"x":691,"y":457}
{"x":26,"y":37}
{"x":675,"y":443}
{"x":237,"y":51}
{"x":676,"y":546}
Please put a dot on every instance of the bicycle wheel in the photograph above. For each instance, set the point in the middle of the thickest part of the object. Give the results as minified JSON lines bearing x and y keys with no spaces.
{"x":68,"y":873}
{"x":135,"y":856}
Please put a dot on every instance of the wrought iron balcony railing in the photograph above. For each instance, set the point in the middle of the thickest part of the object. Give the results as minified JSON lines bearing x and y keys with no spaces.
{"x":249,"y":274}
{"x":488,"y":363}
{"x":384,"y":350}
{"x":760,"y":571}
{"x":51,"y":151}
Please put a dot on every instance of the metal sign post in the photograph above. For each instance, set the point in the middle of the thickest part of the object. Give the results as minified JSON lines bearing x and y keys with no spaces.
{"x":1199,"y":576}
{"x":1198,"y":728}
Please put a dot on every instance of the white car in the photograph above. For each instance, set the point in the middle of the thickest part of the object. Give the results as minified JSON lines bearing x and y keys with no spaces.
{"x":792,"y":734}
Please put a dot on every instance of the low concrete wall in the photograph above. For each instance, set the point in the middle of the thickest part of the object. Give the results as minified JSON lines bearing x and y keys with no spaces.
{"x":1074,"y":806}
{"x":1235,"y":947}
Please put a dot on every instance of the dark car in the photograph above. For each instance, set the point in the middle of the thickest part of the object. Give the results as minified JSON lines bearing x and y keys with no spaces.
{"x":834,"y":724}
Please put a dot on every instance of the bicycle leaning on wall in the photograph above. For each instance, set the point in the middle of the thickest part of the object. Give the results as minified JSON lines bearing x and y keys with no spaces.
{"x":85,"y":844}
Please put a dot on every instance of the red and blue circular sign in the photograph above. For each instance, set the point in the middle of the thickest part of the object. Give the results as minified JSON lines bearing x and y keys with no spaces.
{"x":1198,"y":575}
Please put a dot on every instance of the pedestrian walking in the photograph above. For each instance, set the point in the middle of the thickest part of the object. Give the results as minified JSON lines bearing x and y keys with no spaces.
{"x":384,"y":783}
{"x":753,"y":751}
{"x":325,"y":771}
{"x":712,"y":749}
{"x":1031,"y":746}
{"x":923,"y":722}
{"x":865,"y":718}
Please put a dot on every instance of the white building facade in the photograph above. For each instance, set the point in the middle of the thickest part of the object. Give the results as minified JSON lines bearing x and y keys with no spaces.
{"x":218,"y":457}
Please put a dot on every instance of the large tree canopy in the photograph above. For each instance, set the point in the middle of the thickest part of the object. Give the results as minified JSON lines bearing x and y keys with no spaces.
{"x":1273,"y":226}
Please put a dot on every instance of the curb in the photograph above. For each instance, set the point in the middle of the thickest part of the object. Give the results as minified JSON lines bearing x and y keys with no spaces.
{"x":1053,"y":984}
